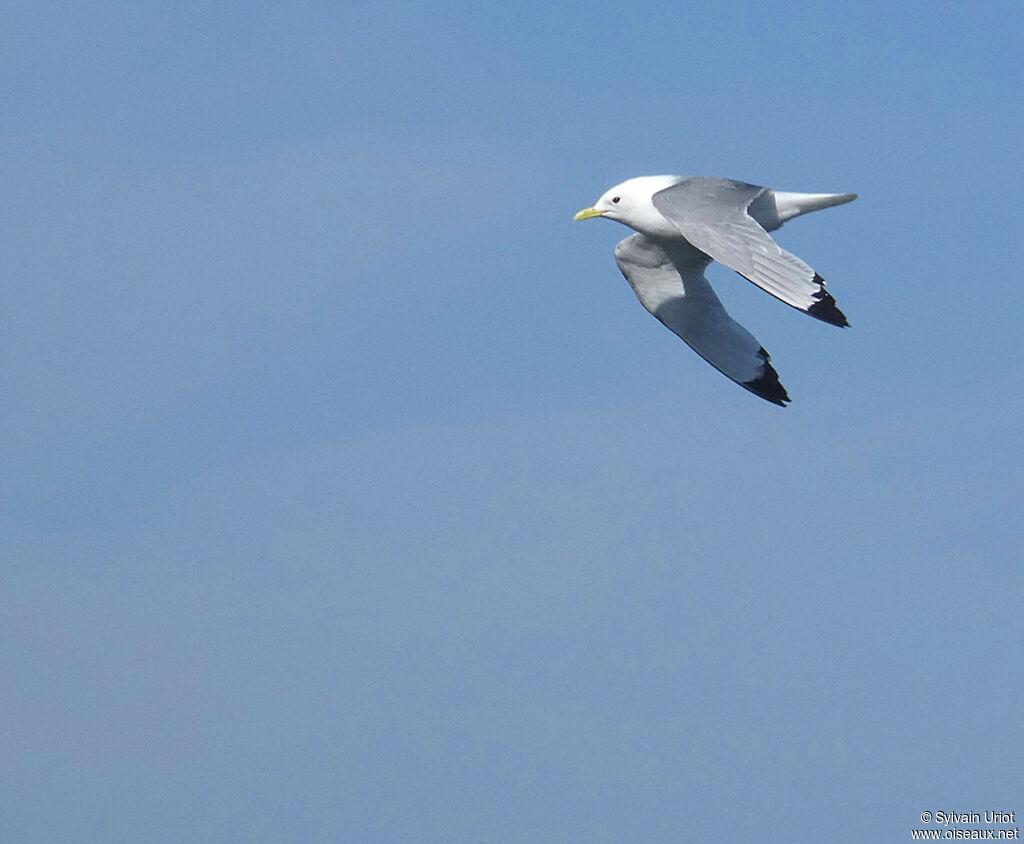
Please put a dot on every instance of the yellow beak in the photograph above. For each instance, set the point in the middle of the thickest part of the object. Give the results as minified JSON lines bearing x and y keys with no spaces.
{"x":587,"y":213}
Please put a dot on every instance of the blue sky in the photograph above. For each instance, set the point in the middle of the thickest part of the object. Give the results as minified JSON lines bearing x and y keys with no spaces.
{"x":349,"y":494}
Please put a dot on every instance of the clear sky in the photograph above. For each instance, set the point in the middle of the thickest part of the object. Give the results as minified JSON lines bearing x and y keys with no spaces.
{"x":348,"y":494}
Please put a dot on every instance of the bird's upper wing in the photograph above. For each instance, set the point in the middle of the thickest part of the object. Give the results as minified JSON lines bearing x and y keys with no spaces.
{"x":668,"y":279}
{"x":712,"y":215}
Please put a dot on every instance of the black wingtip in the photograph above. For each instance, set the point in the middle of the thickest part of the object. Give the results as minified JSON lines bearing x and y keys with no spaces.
{"x":767,"y":386}
{"x":825,"y":308}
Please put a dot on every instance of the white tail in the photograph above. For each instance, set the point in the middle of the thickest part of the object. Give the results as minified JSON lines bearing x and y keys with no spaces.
{"x":774,"y":207}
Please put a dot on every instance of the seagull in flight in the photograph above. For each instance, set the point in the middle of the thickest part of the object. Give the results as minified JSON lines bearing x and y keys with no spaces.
{"x":682,"y":224}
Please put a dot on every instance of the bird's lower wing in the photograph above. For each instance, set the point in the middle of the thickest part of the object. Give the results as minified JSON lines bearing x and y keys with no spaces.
{"x":712,"y":215}
{"x":669,"y":282}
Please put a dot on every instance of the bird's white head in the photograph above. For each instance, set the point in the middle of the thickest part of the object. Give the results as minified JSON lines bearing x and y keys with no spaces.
{"x":630,"y":203}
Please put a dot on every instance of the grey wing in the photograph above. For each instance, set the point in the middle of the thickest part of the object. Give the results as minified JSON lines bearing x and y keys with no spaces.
{"x":668,"y":279}
{"x":712,"y":214}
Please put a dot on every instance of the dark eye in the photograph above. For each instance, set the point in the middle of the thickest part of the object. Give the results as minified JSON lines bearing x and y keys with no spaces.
{"x":615,"y":198}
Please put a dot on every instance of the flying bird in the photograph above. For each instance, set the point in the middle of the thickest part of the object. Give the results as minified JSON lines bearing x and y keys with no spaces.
{"x":683,"y":223}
